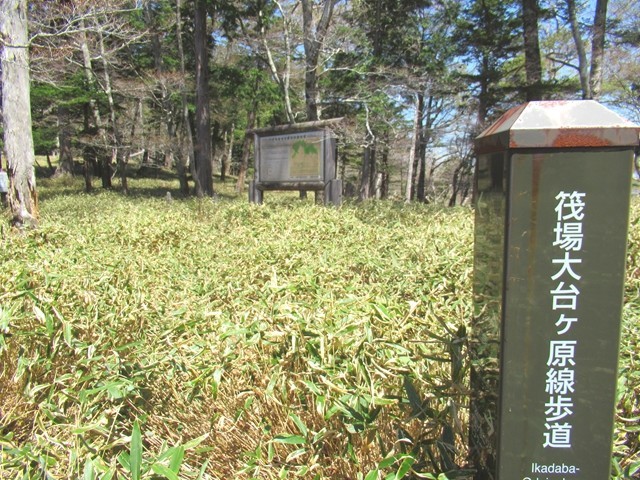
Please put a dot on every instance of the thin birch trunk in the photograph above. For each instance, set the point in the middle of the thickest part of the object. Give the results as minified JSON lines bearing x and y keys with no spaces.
{"x":283,"y":80}
{"x":93,"y":105}
{"x":116,"y":136}
{"x":583,"y":66}
{"x":16,"y":112}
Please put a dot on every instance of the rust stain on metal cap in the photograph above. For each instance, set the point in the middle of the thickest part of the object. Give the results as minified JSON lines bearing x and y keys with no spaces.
{"x":579,"y":138}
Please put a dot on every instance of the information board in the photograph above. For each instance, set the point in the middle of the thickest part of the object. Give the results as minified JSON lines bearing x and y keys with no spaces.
{"x":296,"y":157}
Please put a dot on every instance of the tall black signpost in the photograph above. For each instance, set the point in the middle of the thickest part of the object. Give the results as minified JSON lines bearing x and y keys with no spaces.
{"x":552,"y":207}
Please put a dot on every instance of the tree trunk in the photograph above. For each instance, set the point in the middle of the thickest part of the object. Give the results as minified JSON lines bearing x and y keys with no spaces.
{"x":597,"y":47}
{"x":186,"y":149}
{"x":165,"y":102}
{"x":583,"y":69}
{"x":65,"y":158}
{"x":105,"y":167}
{"x":415,"y":147}
{"x":425,"y":132}
{"x":283,"y":80}
{"x":384,"y":169}
{"x":483,"y":96}
{"x":460,"y":183}
{"x":117,"y":157}
{"x":16,"y":111}
{"x":532,"y":60}
{"x":88,"y":167}
{"x":225,"y":161}
{"x":368,"y":173}
{"x":420,"y":185}
{"x":313,"y":40}
{"x":430,"y":114}
{"x":246,"y":148}
{"x":203,"y":167}
{"x":126,"y":150}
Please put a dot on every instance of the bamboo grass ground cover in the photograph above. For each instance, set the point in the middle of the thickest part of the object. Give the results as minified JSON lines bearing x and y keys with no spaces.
{"x":146,"y":338}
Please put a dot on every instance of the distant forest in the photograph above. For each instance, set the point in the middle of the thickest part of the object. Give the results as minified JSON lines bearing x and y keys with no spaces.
{"x":177,"y":84}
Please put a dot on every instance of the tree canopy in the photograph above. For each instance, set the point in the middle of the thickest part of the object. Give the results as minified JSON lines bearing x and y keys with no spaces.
{"x":176,"y":84}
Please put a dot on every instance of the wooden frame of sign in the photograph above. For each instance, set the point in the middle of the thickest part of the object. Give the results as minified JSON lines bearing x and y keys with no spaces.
{"x":300,"y":156}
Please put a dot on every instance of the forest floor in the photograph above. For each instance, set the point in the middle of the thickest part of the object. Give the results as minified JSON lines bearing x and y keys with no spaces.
{"x":147,"y":337}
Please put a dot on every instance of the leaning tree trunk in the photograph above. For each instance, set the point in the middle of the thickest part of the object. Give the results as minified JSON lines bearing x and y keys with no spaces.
{"x":16,"y":102}
{"x":583,"y":68}
{"x":283,"y":80}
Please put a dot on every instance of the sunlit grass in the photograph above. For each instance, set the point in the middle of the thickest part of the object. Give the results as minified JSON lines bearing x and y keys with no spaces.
{"x":187,"y":338}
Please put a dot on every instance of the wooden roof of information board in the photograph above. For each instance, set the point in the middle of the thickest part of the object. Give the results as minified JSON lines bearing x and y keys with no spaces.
{"x":296,"y":127}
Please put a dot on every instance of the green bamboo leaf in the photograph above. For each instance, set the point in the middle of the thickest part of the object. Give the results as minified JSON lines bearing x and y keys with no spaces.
{"x":387,"y":462}
{"x":176,"y":459}
{"x":195,"y":442}
{"x":89,"y":473}
{"x":295,"y":454}
{"x":67,"y":332}
{"x":109,"y":474}
{"x":114,"y":390}
{"x":301,"y":426}
{"x":405,"y":466}
{"x":203,"y":469}
{"x":372,"y":475}
{"x":163,"y":471}
{"x":135,"y":456}
{"x":271,"y":452}
{"x":312,"y":387}
{"x":633,"y":469}
{"x":290,"y":439}
{"x":124,"y":459}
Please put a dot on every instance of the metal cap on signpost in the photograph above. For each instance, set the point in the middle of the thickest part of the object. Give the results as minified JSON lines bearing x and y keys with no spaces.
{"x":552,"y":200}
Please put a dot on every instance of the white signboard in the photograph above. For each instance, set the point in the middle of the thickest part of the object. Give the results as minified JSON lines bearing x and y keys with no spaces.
{"x":296,"y":157}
